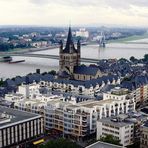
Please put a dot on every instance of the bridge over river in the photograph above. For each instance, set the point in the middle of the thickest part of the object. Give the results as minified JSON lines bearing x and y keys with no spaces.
{"x":56,"y":57}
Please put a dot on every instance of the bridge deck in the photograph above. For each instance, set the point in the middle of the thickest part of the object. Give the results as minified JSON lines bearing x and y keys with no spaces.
{"x":56,"y":57}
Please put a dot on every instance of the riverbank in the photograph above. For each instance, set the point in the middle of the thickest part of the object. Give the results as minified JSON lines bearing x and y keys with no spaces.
{"x":128,"y":40}
{"x":26,"y":50}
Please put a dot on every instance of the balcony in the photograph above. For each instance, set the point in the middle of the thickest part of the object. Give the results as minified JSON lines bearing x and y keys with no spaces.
{"x":84,"y":119}
{"x":77,"y":116}
{"x":84,"y":124}
{"x":84,"y":133}
{"x":84,"y":129}
{"x":130,"y":105}
{"x":76,"y":127}
{"x":77,"y":122}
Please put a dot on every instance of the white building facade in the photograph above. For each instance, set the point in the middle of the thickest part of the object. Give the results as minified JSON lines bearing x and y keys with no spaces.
{"x":79,"y":120}
{"x":120,"y":130}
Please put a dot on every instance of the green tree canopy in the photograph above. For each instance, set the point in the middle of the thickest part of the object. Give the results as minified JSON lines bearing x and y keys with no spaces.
{"x":52,"y":72}
{"x":133,"y":59}
{"x":110,"y":139}
{"x":145,"y":57}
{"x":60,"y":143}
{"x":1,"y":82}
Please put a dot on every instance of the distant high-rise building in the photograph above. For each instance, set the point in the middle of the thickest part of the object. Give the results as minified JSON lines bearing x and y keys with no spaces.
{"x":82,"y":33}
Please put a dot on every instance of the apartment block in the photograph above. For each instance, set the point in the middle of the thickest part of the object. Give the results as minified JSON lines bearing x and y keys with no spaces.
{"x":17,"y":127}
{"x":144,"y":135}
{"x":122,"y":131}
{"x":79,"y":120}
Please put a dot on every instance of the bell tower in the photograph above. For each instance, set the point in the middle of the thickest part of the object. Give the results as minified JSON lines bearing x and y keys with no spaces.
{"x":69,"y":56}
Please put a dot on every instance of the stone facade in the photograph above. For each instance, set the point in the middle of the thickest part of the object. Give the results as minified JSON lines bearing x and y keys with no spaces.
{"x":69,"y":62}
{"x":69,"y":56}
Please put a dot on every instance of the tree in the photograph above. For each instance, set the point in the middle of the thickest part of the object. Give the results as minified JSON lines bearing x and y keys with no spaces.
{"x":123,"y":59}
{"x":133,"y":59}
{"x":1,"y":82}
{"x":60,"y":143}
{"x":110,"y":139}
{"x":145,"y":57}
{"x":52,"y":72}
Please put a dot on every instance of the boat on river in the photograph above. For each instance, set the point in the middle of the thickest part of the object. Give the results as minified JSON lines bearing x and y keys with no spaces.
{"x":14,"y":62}
{"x":6,"y":59}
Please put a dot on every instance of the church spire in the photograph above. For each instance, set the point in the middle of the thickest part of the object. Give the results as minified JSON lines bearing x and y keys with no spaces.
{"x":69,"y":38}
{"x":69,"y":44}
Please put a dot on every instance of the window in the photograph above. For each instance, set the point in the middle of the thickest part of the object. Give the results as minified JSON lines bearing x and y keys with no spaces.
{"x":111,"y":126}
{"x":127,"y":131}
{"x":126,"y":141}
{"x":126,"y":127}
{"x":117,"y":128}
{"x":84,"y":77}
{"x":126,"y":137}
{"x":117,"y":133}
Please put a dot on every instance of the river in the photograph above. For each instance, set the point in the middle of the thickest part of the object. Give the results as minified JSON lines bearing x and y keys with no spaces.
{"x":112,"y":50}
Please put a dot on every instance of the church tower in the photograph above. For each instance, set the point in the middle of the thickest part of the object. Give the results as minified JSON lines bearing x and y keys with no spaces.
{"x":69,"y":56}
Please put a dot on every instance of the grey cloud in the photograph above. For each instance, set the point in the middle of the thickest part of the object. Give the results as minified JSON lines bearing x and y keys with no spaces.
{"x":66,"y":2}
{"x":111,"y":3}
{"x":126,"y":3}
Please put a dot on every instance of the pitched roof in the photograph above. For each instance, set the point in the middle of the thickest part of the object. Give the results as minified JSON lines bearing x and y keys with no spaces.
{"x":128,"y":84}
{"x":141,"y":80}
{"x":64,"y":74}
{"x":135,"y":82}
{"x":86,"y":70}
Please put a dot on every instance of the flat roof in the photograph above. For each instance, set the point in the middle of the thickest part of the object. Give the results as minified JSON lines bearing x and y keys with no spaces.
{"x":100,"y":144}
{"x":115,"y":123}
{"x":92,"y":103}
{"x":16,"y":116}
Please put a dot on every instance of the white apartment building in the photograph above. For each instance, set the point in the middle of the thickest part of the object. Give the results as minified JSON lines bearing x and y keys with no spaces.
{"x":29,"y":90}
{"x":81,"y":88}
{"x":144,"y":135}
{"x":14,"y":97}
{"x":117,"y":93}
{"x":119,"y":129}
{"x":39,"y":44}
{"x":37,"y":104}
{"x":79,"y":120}
{"x":121,"y":94}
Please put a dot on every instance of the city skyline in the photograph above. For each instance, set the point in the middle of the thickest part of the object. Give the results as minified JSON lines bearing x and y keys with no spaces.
{"x":59,"y":13}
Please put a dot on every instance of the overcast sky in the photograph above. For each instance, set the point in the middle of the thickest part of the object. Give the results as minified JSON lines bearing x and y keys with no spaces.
{"x":79,"y":12}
